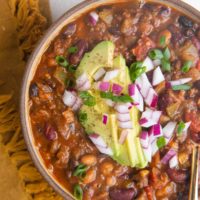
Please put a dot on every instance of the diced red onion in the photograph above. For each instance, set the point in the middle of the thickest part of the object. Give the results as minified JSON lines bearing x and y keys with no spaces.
{"x":168,"y":85}
{"x":123,"y":117}
{"x":117,"y":89}
{"x":173,"y":162}
{"x":122,"y":108}
{"x":147,"y":91}
{"x":104,"y":86}
{"x":168,"y":130}
{"x":105,"y":119}
{"x":158,"y":76}
{"x":187,"y":125}
{"x":86,"y":86}
{"x":154,"y":147}
{"x":156,"y":62}
{"x":148,"y":153}
{"x":149,"y":118}
{"x":105,"y":150}
{"x":144,"y":139}
{"x":97,"y":140}
{"x":69,"y":98}
{"x":81,"y":80}
{"x":126,"y":125}
{"x":77,"y":104}
{"x":136,"y":96}
{"x":148,"y":63}
{"x":123,"y":136}
{"x":93,"y":18}
{"x":111,"y":75}
{"x":99,"y":74}
{"x":180,"y":81}
{"x":168,"y":156}
{"x":156,"y":130}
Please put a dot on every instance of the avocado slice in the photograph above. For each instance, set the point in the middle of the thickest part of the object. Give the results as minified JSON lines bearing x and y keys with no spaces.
{"x":100,"y":56}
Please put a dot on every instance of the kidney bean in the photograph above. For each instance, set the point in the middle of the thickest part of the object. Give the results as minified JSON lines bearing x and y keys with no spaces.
{"x":185,"y":22}
{"x":178,"y":175}
{"x":33,"y":90}
{"x":114,"y":31}
{"x":124,"y":193}
{"x":50,"y":132}
{"x":164,"y":11}
{"x":195,"y":137}
{"x":69,"y":30}
{"x":82,"y":47}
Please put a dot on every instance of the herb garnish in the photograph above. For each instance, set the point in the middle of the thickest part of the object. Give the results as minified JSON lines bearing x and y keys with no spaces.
{"x":181,"y":87}
{"x":62,"y":61}
{"x":136,"y":69}
{"x":73,"y":49}
{"x":121,"y":99}
{"x":78,"y":192}
{"x":156,"y":54}
{"x":166,"y":66}
{"x":88,"y":99}
{"x":163,"y":41}
{"x":161,"y":142}
{"x":166,"y":53}
{"x":82,"y":116}
{"x":186,"y":67}
{"x":80,"y":171}
{"x":71,"y":68}
{"x":180,"y":128}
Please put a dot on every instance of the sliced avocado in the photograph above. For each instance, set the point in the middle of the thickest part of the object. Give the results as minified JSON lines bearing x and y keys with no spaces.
{"x":123,"y":78}
{"x":100,"y":56}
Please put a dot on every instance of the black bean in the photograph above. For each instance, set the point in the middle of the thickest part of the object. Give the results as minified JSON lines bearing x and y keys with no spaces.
{"x":69,"y":30}
{"x":50,"y":132}
{"x":185,"y":22}
{"x":33,"y":90}
{"x":178,"y":175}
{"x":124,"y":193}
{"x":82,"y":47}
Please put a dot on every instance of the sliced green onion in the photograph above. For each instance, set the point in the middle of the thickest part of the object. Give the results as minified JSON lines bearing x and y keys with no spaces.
{"x":136,"y":70}
{"x":69,"y":83}
{"x":122,"y":99}
{"x":80,"y":171}
{"x":62,"y":61}
{"x":88,"y":99}
{"x":78,"y":192}
{"x":163,"y":40}
{"x":181,"y":87}
{"x":72,"y":49}
{"x":180,"y":128}
{"x":166,"y":53}
{"x":82,"y":117}
{"x":166,"y":66}
{"x":161,"y":142}
{"x":186,"y":67}
{"x":71,"y":68}
{"x":156,"y":54}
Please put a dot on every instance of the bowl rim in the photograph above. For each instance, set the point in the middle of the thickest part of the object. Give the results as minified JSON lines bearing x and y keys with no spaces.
{"x":30,"y":146}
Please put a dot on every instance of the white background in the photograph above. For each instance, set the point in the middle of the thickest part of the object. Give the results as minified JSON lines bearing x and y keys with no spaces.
{"x":59,"y":7}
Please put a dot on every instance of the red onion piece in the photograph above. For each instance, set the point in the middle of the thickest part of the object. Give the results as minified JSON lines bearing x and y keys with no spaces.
{"x":111,"y":75}
{"x":180,"y":81}
{"x":144,"y":139}
{"x":168,"y":156}
{"x":157,"y":63}
{"x":107,"y":150}
{"x":136,"y":96}
{"x":97,"y":140}
{"x":99,"y":74}
{"x":123,"y":136}
{"x":148,"y":153}
{"x":123,"y":117}
{"x":158,"y":76}
{"x":168,"y":85}
{"x":126,"y":125}
{"x":93,"y":18}
{"x":173,"y":162}
{"x":81,"y":80}
{"x":156,"y":130}
{"x":86,"y":86}
{"x":148,"y":63}
{"x":77,"y":104}
{"x":168,"y":130}
{"x":69,"y":98}
{"x":105,"y":119}
{"x":110,"y":102}
{"x":117,"y":89}
{"x":122,"y":108}
{"x":104,"y":86}
{"x":154,"y":147}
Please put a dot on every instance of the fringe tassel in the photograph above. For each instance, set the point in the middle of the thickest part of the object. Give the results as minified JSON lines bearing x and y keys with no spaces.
{"x":30,"y":23}
{"x":12,"y":139}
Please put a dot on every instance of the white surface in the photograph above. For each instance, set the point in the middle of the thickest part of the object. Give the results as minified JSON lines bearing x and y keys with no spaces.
{"x":59,"y":7}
